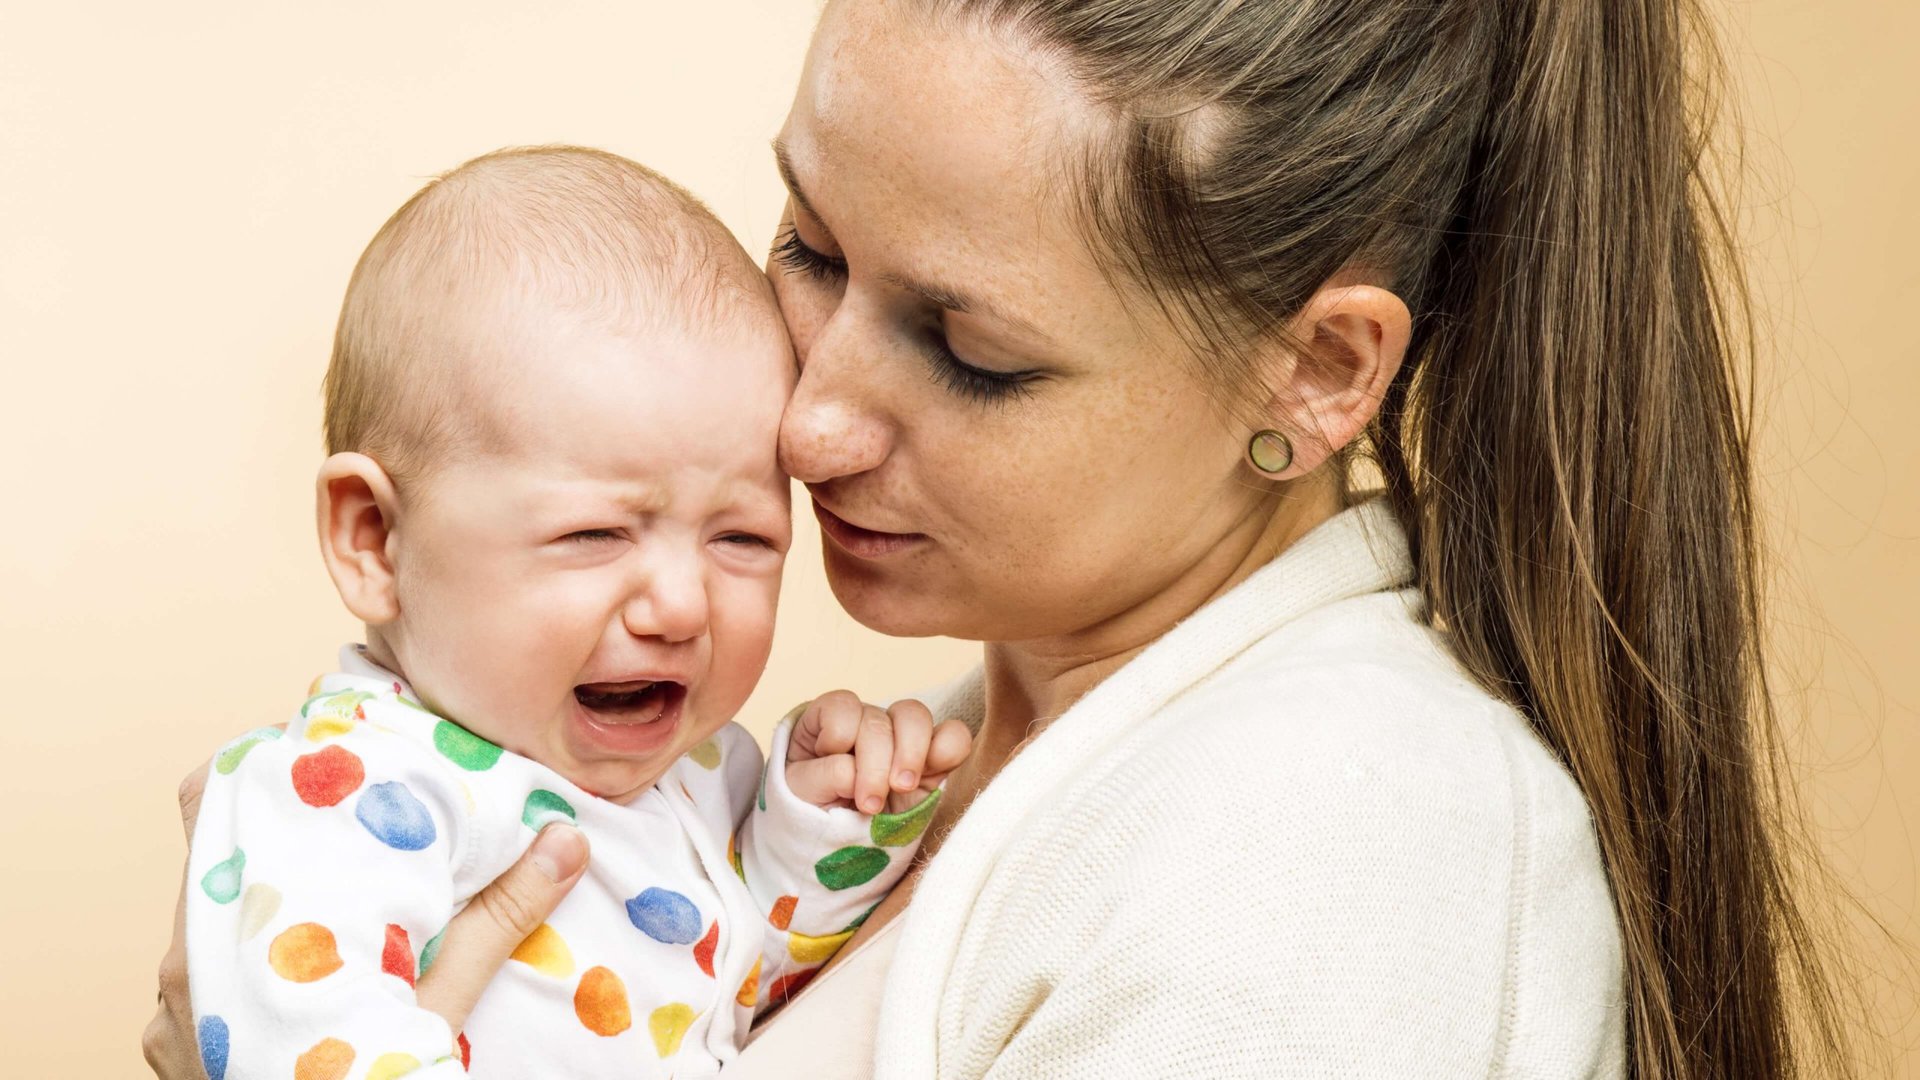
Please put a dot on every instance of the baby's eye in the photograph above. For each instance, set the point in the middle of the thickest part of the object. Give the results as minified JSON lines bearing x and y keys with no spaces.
{"x":746,"y":539}
{"x":592,"y":535}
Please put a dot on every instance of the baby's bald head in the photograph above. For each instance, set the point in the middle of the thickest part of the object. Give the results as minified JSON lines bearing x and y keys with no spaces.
{"x":571,"y":228}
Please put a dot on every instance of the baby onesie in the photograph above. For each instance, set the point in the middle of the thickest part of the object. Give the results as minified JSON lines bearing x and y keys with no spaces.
{"x":327,"y":861}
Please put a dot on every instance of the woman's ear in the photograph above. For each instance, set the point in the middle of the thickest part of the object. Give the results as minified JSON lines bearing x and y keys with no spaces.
{"x":358,"y":512}
{"x":1346,"y":345}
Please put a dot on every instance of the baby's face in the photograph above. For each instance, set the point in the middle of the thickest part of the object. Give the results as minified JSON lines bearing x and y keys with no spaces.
{"x":600,"y":596}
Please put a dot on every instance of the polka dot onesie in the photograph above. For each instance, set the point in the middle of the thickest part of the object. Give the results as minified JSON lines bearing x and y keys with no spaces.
{"x":327,"y":861}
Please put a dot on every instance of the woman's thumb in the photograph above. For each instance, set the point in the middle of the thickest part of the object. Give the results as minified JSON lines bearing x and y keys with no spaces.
{"x":479,"y":940}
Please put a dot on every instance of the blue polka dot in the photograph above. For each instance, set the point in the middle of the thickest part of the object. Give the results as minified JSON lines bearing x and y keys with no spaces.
{"x":394,"y":816}
{"x":666,"y":916}
{"x":213,"y":1047}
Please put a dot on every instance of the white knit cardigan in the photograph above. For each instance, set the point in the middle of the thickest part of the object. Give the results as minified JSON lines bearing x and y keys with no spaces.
{"x":1291,"y":838}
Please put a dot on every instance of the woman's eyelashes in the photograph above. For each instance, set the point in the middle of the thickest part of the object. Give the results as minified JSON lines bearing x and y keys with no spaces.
{"x":795,"y":257}
{"x":972,"y":383}
{"x":962,"y":379}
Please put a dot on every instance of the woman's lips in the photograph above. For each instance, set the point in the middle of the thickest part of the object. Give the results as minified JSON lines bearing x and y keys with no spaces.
{"x":863,"y":543}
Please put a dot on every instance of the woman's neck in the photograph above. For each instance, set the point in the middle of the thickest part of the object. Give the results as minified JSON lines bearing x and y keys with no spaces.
{"x":1029,"y":683}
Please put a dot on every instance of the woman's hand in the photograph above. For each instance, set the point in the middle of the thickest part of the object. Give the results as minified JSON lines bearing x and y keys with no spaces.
{"x":478,"y":940}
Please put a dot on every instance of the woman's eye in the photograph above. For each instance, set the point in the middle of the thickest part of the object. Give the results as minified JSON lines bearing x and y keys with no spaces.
{"x":976,"y":384}
{"x":796,"y":257}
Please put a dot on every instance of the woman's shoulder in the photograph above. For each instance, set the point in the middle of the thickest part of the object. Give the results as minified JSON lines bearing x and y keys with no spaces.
{"x":1344,"y":812}
{"x":1351,"y":742}
{"x":1362,"y":696}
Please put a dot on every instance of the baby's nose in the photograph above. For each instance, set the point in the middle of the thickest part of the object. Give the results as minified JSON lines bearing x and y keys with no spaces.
{"x":673,"y":607}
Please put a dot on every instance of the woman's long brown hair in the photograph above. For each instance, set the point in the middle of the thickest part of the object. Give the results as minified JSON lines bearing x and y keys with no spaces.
{"x":1567,"y":443}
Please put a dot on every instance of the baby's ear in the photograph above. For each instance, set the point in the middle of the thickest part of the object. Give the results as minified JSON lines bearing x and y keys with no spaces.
{"x":357,"y":512}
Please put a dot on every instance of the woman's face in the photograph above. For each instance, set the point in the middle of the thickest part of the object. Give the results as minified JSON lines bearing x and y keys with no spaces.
{"x":1002,"y":443}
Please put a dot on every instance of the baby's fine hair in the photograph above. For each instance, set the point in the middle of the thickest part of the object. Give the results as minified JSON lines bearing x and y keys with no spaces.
{"x":580,"y":229}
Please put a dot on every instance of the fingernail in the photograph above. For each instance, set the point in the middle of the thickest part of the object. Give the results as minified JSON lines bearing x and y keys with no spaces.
{"x":905,"y":779}
{"x":559,"y":852}
{"x":871,"y":804}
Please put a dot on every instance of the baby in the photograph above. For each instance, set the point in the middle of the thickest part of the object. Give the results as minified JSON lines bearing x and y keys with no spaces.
{"x":553,"y":499}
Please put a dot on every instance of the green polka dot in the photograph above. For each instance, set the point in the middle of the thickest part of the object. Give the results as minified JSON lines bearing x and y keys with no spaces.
{"x":899,"y":830}
{"x":862,"y":920}
{"x":763,"y":783}
{"x":222,"y":883}
{"x":337,"y":703}
{"x":431,"y":951}
{"x":463,"y":747}
{"x":850,"y":866}
{"x":237,"y":751}
{"x":543,"y":808}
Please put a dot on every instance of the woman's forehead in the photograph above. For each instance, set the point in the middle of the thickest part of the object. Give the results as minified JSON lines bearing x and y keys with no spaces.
{"x":945,"y":164}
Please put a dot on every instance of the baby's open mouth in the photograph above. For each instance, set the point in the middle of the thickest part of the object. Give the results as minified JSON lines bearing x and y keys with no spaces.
{"x":637,"y":702}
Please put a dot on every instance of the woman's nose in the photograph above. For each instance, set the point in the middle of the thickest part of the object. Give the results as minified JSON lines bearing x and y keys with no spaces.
{"x":828,"y":431}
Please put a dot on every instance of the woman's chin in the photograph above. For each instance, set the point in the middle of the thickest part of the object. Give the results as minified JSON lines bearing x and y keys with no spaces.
{"x":905,"y":606}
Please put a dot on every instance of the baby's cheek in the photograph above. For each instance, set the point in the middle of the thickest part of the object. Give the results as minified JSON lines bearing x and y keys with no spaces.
{"x":743,"y":618}
{"x":517,"y":661}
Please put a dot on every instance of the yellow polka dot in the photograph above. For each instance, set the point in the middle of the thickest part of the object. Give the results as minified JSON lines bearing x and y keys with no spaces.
{"x":327,"y":728}
{"x":814,"y":950}
{"x":546,"y":952}
{"x":668,"y":1025}
{"x":706,"y":755}
{"x":389,"y":1066}
{"x":258,"y":906}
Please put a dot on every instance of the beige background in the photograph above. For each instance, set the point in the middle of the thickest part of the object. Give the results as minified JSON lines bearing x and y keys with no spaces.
{"x":183,"y":190}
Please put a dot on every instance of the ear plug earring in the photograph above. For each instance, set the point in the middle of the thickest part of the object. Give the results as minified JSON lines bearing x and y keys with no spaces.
{"x":1270,"y":452}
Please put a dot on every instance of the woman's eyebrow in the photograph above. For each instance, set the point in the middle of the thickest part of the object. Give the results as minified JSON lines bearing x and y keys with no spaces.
{"x":937,"y":295}
{"x":954,"y":300}
{"x":785,"y":161}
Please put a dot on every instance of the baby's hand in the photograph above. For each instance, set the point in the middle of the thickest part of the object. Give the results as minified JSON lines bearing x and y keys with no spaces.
{"x":844,"y":752}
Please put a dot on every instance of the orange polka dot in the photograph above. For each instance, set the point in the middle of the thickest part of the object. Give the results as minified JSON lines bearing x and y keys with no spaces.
{"x":600,"y":1002}
{"x":304,"y":953}
{"x":328,"y":1059}
{"x":749,"y":993}
{"x":783,"y":911}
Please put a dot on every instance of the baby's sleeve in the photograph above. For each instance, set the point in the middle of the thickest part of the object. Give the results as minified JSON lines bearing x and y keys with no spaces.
{"x":816,"y":872}
{"x":321,"y":874}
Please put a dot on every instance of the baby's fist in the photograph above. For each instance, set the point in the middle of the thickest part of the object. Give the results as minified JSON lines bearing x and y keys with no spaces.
{"x":844,"y":752}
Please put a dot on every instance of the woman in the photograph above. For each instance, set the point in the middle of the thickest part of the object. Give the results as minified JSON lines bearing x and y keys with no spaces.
{"x":1105,"y":308}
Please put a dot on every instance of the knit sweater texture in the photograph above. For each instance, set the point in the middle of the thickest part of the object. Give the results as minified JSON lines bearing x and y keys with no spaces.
{"x":1291,"y":838}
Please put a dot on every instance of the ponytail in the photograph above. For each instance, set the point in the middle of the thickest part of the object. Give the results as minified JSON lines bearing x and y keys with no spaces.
{"x":1571,"y":455}
{"x":1566,"y":443}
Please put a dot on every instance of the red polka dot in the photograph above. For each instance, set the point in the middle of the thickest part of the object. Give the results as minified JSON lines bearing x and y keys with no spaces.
{"x":327,"y":776}
{"x":789,"y":984}
{"x":397,"y":957}
{"x":703,"y":952}
{"x":466,"y":1052}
